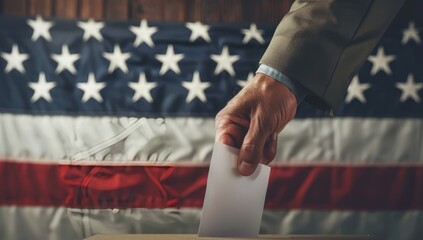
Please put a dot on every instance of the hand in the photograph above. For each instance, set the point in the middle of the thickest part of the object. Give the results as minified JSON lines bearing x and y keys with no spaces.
{"x":253,"y":119}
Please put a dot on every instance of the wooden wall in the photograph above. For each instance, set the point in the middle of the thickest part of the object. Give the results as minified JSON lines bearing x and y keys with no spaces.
{"x":209,"y":11}
{"x":261,"y":11}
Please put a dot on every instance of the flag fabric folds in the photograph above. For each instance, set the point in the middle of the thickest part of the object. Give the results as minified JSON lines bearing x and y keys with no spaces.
{"x":108,"y":127}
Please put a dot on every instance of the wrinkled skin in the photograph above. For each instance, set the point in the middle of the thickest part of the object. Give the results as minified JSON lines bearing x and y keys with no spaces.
{"x":252,"y":120}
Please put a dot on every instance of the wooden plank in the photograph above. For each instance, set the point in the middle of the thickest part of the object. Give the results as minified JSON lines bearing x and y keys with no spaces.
{"x":211,"y":11}
{"x":286,"y":6}
{"x":66,"y":8}
{"x":277,"y":10}
{"x":252,"y":11}
{"x":147,"y":9}
{"x":193,"y":10}
{"x":116,"y":9}
{"x":268,"y":7}
{"x":135,"y":9}
{"x":14,"y":8}
{"x":173,"y":10}
{"x":40,"y":7}
{"x":232,"y":11}
{"x":91,"y":9}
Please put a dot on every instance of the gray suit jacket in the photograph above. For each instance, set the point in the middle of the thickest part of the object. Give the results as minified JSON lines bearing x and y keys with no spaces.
{"x":321,"y":44}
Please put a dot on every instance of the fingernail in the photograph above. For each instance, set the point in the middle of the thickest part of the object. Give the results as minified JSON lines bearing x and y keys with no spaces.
{"x":246,"y":168}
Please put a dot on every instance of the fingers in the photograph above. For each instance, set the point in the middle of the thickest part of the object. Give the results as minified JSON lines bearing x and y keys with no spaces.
{"x":227,"y":140}
{"x":251,"y":152}
{"x":251,"y":119}
{"x":232,"y":135}
{"x":230,"y":130}
{"x":270,"y":148}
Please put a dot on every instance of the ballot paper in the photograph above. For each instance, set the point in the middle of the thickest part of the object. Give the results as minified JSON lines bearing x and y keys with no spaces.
{"x":233,"y":204}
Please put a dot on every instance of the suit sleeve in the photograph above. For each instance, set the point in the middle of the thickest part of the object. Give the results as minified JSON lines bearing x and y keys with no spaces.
{"x":321,"y":44}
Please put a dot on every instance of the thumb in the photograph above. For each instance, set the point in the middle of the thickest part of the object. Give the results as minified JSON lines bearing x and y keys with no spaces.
{"x":251,"y":150}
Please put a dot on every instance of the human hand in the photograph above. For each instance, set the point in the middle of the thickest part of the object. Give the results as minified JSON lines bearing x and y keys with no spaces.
{"x":253,"y":119}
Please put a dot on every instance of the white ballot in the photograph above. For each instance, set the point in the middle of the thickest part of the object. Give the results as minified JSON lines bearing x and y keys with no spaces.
{"x":233,"y":204}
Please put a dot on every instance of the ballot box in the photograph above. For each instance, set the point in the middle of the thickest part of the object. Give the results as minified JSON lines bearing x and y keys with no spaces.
{"x":195,"y":237}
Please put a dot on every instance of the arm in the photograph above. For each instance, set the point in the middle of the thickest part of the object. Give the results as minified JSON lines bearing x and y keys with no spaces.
{"x":319,"y":45}
{"x":322,"y":44}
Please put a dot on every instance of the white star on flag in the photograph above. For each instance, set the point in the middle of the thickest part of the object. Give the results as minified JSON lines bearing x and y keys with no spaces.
{"x":356,"y":90}
{"x":142,"y":89}
{"x":409,"y":89}
{"x":91,"y":89}
{"x":196,"y":88}
{"x":380,"y":62}
{"x":410,"y":33}
{"x":15,"y":59}
{"x":143,"y":34}
{"x":198,"y":30}
{"x":224,"y":61}
{"x":243,"y":83}
{"x":170,"y":60}
{"x":91,"y":29}
{"x":41,"y":88}
{"x":65,"y":60}
{"x":40,"y":28}
{"x":117,"y":59}
{"x":252,"y":33}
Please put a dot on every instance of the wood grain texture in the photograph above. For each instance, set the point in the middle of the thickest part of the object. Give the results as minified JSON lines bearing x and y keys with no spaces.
{"x":231,"y":11}
{"x":116,"y":9}
{"x":65,"y":8}
{"x":211,"y":10}
{"x":40,"y":7}
{"x":91,"y":9}
{"x":269,"y":10}
{"x":14,"y":7}
{"x":253,"y":11}
{"x":174,"y":10}
{"x":193,"y":10}
{"x":147,"y":9}
{"x":207,"y":11}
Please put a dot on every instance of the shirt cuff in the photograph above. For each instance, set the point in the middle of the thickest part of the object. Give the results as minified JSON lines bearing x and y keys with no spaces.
{"x":299,"y":91}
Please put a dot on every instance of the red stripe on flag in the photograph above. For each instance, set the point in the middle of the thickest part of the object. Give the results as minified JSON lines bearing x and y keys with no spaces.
{"x":290,"y":187}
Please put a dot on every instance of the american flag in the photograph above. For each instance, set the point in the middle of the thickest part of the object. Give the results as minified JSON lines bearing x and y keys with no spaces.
{"x":108,"y":127}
